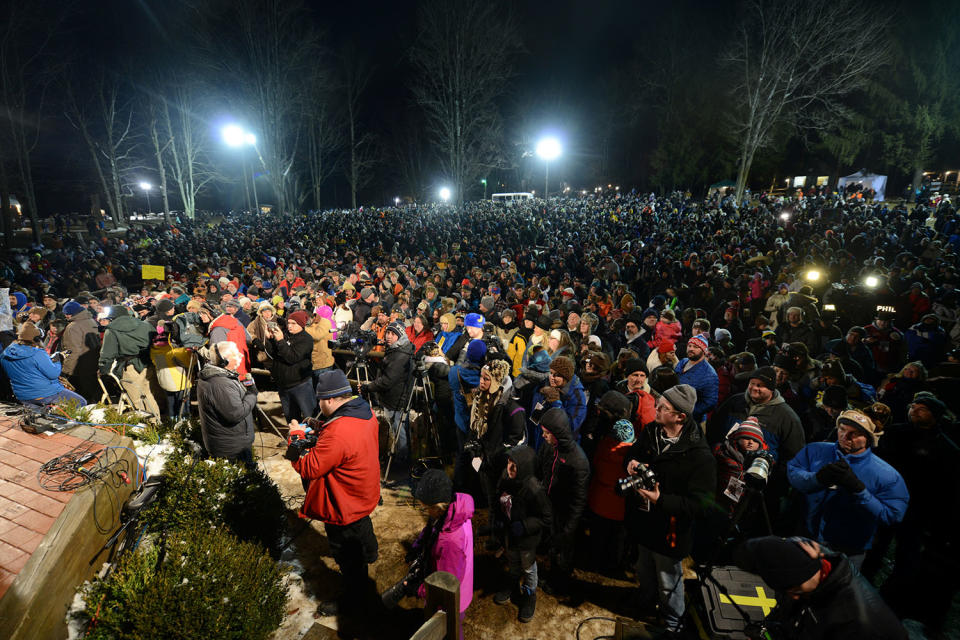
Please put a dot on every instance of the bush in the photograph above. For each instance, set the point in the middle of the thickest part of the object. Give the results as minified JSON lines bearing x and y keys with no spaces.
{"x":210,"y":585}
{"x":207,"y":493}
{"x":74,"y":410}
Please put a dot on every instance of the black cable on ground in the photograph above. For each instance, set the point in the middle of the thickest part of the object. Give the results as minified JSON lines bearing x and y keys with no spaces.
{"x":591,"y":618}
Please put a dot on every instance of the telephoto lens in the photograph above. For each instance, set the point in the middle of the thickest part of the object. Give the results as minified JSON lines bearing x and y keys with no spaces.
{"x":758,"y":471}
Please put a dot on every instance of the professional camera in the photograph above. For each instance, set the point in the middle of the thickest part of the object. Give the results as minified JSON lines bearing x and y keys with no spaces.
{"x":757,"y":469}
{"x":300,"y":444}
{"x":645,"y":479}
{"x":352,"y":338}
{"x":408,"y":584}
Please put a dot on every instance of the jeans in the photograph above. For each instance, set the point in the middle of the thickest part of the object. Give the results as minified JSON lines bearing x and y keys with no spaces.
{"x":64,"y":395}
{"x":669,"y":576}
{"x":174,"y":402}
{"x":298,"y":402}
{"x":398,"y":419}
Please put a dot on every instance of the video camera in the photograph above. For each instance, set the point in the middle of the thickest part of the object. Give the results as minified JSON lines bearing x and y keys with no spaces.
{"x":356,"y":340}
{"x":645,"y":479}
{"x":408,"y":585}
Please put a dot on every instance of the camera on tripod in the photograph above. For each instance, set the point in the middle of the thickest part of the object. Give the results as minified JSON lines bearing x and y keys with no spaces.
{"x":356,"y":340}
{"x":757,"y":465}
{"x":645,"y":479}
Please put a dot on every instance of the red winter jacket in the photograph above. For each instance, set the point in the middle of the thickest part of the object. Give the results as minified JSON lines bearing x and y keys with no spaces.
{"x":608,"y":463}
{"x":343,"y":469}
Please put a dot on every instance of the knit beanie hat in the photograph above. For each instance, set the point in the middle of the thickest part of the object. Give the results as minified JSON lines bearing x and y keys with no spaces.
{"x":615,"y":403}
{"x":721,"y":335}
{"x":767,"y":377}
{"x":563,"y":367}
{"x":300,"y":317}
{"x":397,"y":329}
{"x":434,"y":487}
{"x":623,"y":430}
{"x":498,"y":370}
{"x":487,"y":302}
{"x":476,"y":351}
{"x":28,"y":332}
{"x":834,"y":397}
{"x":834,"y":369}
{"x":366,"y":292}
{"x":701,"y":341}
{"x":860,"y":420}
{"x":164,"y":306}
{"x":749,"y":429}
{"x":781,"y":562}
{"x":72,"y":308}
{"x":474,"y":320}
{"x":544,"y":322}
{"x":683,"y":397}
{"x":333,"y":384}
{"x":931,"y":402}
{"x":633,"y":365}
{"x":649,"y":312}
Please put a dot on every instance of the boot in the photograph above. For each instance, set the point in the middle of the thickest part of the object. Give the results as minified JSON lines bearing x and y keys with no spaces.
{"x":503,"y":596}
{"x":528,"y":605}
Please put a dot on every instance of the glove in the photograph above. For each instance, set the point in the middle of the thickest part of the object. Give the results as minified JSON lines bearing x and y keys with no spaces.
{"x":850,"y":482}
{"x":831,"y":474}
{"x":517,"y":529}
{"x":296,"y":434}
{"x":294,"y":453}
{"x":550,"y":394}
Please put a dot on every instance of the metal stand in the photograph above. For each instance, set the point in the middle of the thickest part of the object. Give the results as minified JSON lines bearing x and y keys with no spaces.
{"x":361,"y":370}
{"x":423,"y":391}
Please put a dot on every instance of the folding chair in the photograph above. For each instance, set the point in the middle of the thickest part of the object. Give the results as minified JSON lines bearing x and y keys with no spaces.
{"x":120,"y":392}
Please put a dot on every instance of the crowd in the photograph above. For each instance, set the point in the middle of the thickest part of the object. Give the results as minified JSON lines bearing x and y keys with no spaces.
{"x":570,"y":344}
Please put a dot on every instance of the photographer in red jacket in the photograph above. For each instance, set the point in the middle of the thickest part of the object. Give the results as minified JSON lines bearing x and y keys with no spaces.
{"x":341,"y":472}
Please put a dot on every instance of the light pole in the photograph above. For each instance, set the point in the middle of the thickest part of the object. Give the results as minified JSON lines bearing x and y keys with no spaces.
{"x":549,"y":149}
{"x":146,"y":186}
{"x":484,"y":183}
{"x":235,"y":136}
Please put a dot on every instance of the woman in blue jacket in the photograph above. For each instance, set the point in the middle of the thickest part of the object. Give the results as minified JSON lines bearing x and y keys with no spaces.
{"x":34,"y":376}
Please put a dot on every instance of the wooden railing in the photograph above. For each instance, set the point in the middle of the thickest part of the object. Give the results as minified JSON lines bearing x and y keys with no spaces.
{"x":442,"y":609}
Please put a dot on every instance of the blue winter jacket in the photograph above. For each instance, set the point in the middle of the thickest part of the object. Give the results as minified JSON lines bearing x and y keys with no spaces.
{"x":838,"y":518}
{"x":572,"y":400}
{"x":702,"y":377}
{"x":32,"y":373}
{"x":462,"y":378}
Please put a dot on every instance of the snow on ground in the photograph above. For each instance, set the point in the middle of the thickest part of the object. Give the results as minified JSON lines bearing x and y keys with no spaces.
{"x":76,"y":628}
{"x":154,"y":456}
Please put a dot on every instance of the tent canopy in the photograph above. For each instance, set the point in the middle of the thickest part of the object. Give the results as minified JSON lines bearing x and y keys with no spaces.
{"x":869,"y":181}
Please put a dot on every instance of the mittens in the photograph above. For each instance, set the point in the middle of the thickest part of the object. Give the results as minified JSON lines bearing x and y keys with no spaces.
{"x":831,"y":474}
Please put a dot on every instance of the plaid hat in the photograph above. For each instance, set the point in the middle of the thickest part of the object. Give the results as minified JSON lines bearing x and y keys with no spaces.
{"x":563,"y":367}
{"x":332,"y":384}
{"x":701,"y":341}
{"x":474,"y":320}
{"x":861,"y":421}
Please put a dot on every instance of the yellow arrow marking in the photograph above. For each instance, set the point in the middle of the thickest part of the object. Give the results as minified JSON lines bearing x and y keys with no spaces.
{"x":760,"y":600}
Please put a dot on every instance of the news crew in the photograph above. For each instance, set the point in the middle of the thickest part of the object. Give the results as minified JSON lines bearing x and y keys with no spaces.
{"x":394,"y":383}
{"x":661,"y":519}
{"x":341,"y":472}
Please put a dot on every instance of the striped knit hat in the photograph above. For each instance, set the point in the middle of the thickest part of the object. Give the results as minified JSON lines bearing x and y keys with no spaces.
{"x":750,"y":428}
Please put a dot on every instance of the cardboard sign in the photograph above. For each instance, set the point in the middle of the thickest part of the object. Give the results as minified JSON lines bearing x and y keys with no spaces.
{"x":152,"y":272}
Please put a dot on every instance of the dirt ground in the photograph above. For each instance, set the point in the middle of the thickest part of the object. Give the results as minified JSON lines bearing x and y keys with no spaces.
{"x":314,"y":575}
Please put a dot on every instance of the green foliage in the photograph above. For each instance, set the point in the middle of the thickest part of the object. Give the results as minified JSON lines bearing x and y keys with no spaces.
{"x":210,"y":585}
{"x":130,"y":416}
{"x":74,"y":410}
{"x":200,"y":494}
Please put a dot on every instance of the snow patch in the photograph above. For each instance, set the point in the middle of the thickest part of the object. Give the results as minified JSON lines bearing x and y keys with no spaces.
{"x":76,"y":627}
{"x":154,"y":457}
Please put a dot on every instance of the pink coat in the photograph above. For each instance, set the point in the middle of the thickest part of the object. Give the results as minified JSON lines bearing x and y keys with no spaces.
{"x":453,"y":551}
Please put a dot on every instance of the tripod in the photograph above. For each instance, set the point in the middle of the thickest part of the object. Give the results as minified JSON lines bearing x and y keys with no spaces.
{"x":361,"y":370}
{"x":423,"y":392}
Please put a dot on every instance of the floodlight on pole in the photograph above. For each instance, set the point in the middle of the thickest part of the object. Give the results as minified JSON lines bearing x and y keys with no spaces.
{"x":445,"y":194}
{"x":146,"y":186}
{"x":233,"y":135}
{"x":548,"y":148}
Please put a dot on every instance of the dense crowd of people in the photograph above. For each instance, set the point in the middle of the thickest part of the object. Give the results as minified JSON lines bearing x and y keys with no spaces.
{"x":570,"y":344}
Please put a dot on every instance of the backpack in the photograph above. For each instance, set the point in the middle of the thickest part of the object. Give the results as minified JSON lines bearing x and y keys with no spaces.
{"x":186,"y":331}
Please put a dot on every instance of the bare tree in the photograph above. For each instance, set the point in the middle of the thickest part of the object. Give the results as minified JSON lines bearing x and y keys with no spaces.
{"x":793,"y":63}
{"x":187,"y":142}
{"x":160,"y":146}
{"x":323,"y":132}
{"x":26,"y":71}
{"x":355,"y":75}
{"x":271,"y":47}
{"x":106,"y":123}
{"x":463,"y":59}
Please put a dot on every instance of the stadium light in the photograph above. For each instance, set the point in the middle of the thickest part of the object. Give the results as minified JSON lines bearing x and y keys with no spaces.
{"x":146,"y":186}
{"x":548,"y":148}
{"x":234,"y":136}
{"x":871,"y":281}
{"x":445,"y":193}
{"x":396,"y":200}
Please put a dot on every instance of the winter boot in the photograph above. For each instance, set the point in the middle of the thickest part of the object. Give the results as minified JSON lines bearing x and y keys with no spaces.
{"x":528,"y":604}
{"x":503,"y":596}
